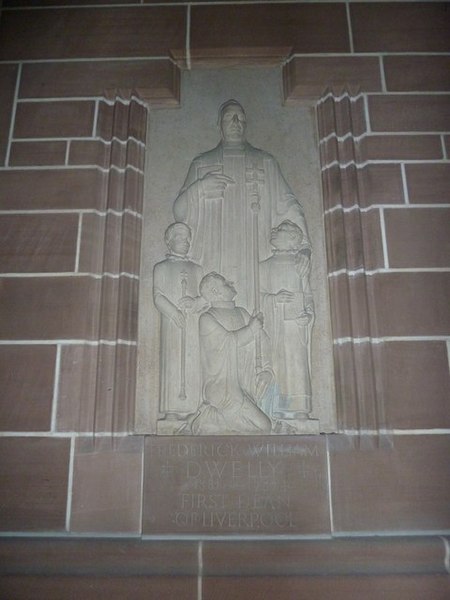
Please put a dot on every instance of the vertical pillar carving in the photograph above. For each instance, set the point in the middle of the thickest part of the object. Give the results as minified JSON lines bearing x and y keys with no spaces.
{"x":116,"y":229}
{"x":353,"y":252}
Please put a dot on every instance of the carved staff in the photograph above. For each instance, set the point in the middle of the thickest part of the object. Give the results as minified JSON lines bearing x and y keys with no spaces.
{"x":255,"y":176}
{"x":182,"y":394}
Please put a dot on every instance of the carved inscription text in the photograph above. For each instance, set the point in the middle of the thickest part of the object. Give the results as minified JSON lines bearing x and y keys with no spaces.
{"x":214,"y":486}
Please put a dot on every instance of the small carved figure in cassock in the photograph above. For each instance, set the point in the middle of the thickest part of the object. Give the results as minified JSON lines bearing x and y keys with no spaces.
{"x":288,"y":308}
{"x":216,"y":202}
{"x":227,"y":342}
{"x":175,"y":294}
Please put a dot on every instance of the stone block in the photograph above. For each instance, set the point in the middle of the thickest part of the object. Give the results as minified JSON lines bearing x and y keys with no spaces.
{"x":26,"y":375}
{"x":400,"y":27}
{"x":155,"y":81}
{"x":235,"y":485}
{"x":23,"y":189}
{"x":303,"y":27}
{"x":33,"y":478}
{"x":428,"y":184}
{"x":405,"y":487}
{"x":418,"y":238}
{"x":400,"y":147}
{"x":417,"y":73}
{"x":38,"y":308}
{"x":107,"y":485}
{"x":306,"y":77}
{"x":54,"y":119}
{"x":148,"y":31}
{"x":38,"y":243}
{"x":28,"y":154}
{"x":409,"y":113}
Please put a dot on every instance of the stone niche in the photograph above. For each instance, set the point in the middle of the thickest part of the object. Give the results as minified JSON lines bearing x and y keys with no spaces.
{"x":234,"y":324}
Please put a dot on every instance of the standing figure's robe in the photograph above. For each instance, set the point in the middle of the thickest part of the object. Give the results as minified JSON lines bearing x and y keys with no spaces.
{"x":222,"y":230}
{"x":167,"y":290}
{"x":290,"y":340}
{"x":228,"y":375}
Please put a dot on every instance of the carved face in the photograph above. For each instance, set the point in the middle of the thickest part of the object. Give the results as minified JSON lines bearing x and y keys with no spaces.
{"x":224,"y":289}
{"x":281,"y":239}
{"x":233,"y":123}
{"x":180,"y":242}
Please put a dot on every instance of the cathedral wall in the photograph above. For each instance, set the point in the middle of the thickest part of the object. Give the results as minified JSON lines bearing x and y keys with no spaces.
{"x":75,"y":84}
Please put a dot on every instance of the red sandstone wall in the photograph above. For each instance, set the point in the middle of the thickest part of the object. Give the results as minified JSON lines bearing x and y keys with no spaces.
{"x":66,"y":147}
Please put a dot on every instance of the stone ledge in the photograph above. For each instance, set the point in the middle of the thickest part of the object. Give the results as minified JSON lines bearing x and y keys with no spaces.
{"x":129,"y":557}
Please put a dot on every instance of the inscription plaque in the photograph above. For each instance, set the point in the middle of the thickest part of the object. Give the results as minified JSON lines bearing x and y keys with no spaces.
{"x":235,"y":485}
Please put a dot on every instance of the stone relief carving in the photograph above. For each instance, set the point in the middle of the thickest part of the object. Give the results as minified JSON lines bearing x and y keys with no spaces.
{"x":222,"y":371}
{"x":175,"y":289}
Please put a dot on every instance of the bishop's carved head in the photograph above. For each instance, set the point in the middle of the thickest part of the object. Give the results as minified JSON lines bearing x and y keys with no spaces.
{"x":232,"y":122}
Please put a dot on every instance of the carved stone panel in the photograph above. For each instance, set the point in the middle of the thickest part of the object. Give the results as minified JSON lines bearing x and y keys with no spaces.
{"x":234,"y":326}
{"x":235,"y":484}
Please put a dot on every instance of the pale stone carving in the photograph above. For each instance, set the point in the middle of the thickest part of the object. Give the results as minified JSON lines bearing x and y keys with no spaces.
{"x":175,"y":294}
{"x":216,"y":202}
{"x":229,"y":379}
{"x":289,"y":314}
{"x":222,"y":373}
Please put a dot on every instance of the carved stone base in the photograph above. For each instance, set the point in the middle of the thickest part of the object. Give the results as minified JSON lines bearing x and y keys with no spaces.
{"x":171,"y":426}
{"x":296,"y":426}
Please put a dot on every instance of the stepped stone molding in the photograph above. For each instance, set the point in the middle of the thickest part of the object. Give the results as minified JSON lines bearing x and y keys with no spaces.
{"x":112,"y":239}
{"x":359,"y":387}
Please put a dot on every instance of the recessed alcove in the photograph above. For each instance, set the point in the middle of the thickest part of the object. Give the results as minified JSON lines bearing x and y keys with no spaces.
{"x":174,"y":138}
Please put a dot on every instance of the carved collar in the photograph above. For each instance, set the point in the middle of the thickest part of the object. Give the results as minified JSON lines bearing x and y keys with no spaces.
{"x":173,"y":256}
{"x":224,"y":304}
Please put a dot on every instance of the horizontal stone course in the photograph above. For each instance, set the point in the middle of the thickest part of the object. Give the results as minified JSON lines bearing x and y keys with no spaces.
{"x":318,"y":557}
{"x":54,"y":119}
{"x":38,"y":243}
{"x":28,"y":154}
{"x":418,"y":238}
{"x":96,"y":556}
{"x":417,"y":73}
{"x":26,"y":382}
{"x":155,"y":81}
{"x":400,"y":27}
{"x":412,"y":112}
{"x":56,"y":3}
{"x":394,"y":587}
{"x":113,"y":32}
{"x":22,"y":189}
{"x":93,"y":587}
{"x":33,"y":476}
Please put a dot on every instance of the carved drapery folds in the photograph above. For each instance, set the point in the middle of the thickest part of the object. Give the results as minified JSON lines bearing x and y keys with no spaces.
{"x":113,"y":249}
{"x":350,"y":191}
